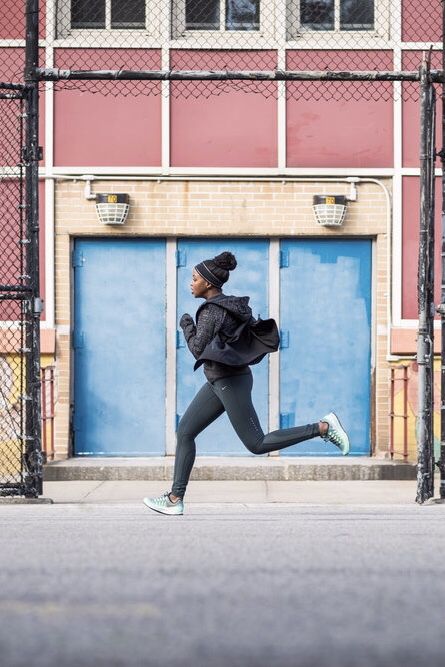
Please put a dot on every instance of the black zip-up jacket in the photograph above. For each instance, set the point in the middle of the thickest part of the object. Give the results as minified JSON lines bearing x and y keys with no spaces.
{"x":222,"y":314}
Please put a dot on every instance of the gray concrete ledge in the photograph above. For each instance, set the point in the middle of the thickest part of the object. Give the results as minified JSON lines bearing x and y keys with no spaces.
{"x":21,"y":500}
{"x":232,"y":468}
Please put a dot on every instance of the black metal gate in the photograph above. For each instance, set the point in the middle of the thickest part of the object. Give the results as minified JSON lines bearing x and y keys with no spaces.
{"x":20,"y":450}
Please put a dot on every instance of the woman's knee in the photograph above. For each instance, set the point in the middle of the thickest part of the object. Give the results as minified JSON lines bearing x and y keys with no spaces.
{"x":184,"y":432}
{"x":252,"y":435}
{"x":254,"y":446}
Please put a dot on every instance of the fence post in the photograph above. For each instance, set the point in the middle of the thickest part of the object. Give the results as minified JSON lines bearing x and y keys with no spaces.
{"x":425,"y":350}
{"x":33,"y":444}
{"x":441,"y":307}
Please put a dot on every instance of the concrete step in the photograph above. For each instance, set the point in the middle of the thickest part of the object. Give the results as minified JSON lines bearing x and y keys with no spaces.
{"x":232,"y":468}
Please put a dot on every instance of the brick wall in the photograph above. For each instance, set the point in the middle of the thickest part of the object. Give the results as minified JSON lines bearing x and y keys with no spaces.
{"x":217,"y":208}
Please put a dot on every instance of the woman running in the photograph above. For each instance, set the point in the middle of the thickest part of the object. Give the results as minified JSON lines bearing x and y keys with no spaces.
{"x":228,"y":387}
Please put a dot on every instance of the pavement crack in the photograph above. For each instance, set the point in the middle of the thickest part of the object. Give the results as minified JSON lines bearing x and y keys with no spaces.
{"x":99,"y":484}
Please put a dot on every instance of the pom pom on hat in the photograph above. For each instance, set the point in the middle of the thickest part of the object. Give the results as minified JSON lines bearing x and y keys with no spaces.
{"x":226,"y":261}
{"x":216,"y":270}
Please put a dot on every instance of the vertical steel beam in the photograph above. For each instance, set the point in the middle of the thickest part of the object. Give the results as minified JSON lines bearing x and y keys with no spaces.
{"x":425,"y":350}
{"x":441,"y":308}
{"x":33,"y":479}
{"x":430,"y":162}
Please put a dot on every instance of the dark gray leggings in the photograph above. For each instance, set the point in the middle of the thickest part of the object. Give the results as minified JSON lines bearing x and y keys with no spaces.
{"x":232,"y":395}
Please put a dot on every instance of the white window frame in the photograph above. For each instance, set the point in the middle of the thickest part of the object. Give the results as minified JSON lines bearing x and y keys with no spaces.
{"x":108,"y":36}
{"x":326,"y":39}
{"x":224,"y":37}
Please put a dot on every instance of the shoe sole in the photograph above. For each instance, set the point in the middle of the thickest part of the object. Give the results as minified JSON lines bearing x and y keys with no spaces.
{"x":155,"y":509}
{"x":344,"y":453}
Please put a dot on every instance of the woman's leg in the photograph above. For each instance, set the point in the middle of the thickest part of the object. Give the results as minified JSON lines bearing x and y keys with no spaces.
{"x":202,"y":411}
{"x":235,"y":394}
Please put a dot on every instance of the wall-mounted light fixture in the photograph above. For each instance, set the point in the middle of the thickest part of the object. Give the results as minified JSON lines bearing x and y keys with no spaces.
{"x":111,"y":208}
{"x":330,"y":210}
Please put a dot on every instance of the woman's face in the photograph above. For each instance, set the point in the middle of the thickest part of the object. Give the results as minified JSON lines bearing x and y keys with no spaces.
{"x":199,"y":286}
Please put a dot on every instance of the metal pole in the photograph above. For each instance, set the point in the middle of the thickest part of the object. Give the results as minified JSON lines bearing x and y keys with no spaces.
{"x":441,"y":307}
{"x":431,"y":160}
{"x":425,"y":477}
{"x":391,"y":413}
{"x":54,"y":74}
{"x":33,"y":445}
{"x":405,"y":413}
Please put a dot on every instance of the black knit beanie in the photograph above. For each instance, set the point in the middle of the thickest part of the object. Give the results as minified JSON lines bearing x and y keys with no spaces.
{"x":216,"y":270}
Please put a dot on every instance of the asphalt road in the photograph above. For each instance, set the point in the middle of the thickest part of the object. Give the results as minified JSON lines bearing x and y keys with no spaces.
{"x":224,"y":585}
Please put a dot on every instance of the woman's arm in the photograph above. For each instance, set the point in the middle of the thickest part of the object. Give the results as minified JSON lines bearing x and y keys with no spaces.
{"x":199,"y":336}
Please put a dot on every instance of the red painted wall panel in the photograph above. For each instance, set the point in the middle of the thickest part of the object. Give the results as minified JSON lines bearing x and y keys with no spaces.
{"x":10,"y":236}
{"x":10,"y":231}
{"x":223,"y":125}
{"x":421,"y":20}
{"x":411,"y":60}
{"x":410,"y":245}
{"x":11,"y":67}
{"x":330,"y":124}
{"x":12,"y":61}
{"x":96,"y":129}
{"x":12,"y":19}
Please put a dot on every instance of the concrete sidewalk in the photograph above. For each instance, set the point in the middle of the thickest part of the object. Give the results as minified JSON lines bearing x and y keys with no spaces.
{"x":393,"y":492}
{"x":245,"y":480}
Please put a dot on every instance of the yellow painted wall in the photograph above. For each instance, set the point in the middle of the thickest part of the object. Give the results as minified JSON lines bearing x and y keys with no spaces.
{"x":11,"y":447}
{"x":412,"y":396}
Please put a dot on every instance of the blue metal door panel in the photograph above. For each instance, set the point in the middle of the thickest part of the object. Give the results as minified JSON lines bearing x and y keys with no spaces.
{"x":249,"y":278}
{"x":119,"y":347}
{"x":326,"y":312}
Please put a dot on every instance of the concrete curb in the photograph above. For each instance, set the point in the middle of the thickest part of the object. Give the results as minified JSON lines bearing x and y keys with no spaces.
{"x":20,"y":500}
{"x":236,"y":468}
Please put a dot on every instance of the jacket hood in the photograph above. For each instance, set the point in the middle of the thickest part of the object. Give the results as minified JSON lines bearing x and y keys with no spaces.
{"x":238,"y":306}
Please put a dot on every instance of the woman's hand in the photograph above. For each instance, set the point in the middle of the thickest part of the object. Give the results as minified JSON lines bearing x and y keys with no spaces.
{"x":185,"y":320}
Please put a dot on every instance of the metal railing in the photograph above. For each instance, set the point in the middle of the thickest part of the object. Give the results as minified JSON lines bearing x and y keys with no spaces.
{"x":396,"y":379}
{"x":48,"y":414}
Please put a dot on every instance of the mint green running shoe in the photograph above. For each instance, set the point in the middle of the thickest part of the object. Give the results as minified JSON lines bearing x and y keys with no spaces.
{"x":164,"y":505}
{"x":336,"y":433}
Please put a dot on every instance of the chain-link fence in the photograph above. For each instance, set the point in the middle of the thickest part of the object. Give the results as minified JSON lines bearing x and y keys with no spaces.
{"x":230,"y":35}
{"x":17,"y":423}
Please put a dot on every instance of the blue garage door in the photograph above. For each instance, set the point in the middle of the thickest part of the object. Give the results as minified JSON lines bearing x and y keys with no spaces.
{"x":249,"y":278}
{"x":119,"y":347}
{"x":326,"y":321}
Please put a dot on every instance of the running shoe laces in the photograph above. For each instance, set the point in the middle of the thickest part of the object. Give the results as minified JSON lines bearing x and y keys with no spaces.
{"x":164,"y":505}
{"x":336,"y":433}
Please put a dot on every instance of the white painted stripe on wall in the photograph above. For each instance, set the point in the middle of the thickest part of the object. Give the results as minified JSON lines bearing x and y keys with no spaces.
{"x":170,"y":346}
{"x":281,"y":88}
{"x":232,"y":172}
{"x":49,"y":187}
{"x":165,"y":116}
{"x":49,"y":295}
{"x":397,"y":250}
{"x":396,"y":244}
{"x":274,"y":359}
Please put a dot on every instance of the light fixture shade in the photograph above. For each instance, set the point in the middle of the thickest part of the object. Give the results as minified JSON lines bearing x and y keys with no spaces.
{"x":112,"y":209}
{"x":330,"y":210}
